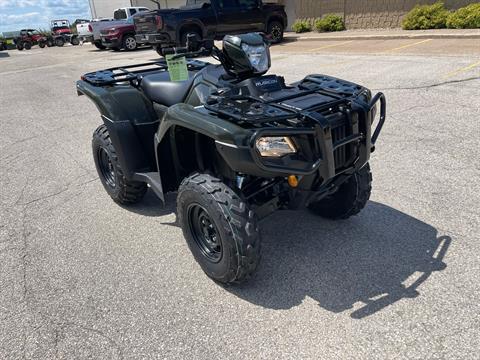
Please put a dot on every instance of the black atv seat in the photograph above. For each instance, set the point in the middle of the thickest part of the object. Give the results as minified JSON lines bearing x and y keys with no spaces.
{"x":160,"y":89}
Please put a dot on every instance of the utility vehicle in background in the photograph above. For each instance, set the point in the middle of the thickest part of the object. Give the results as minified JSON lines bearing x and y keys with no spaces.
{"x":62,"y":33}
{"x":234,"y":143}
{"x":31,"y":37}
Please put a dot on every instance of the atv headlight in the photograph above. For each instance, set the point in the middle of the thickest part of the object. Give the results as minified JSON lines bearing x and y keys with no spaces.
{"x":258,"y":56}
{"x":246,"y":55}
{"x":272,"y":146}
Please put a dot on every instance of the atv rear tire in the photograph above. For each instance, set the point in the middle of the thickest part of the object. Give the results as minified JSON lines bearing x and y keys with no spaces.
{"x":41,"y":45}
{"x":27,"y":45}
{"x":220,"y":229}
{"x":50,"y":43}
{"x":74,"y":41}
{"x":59,"y":42}
{"x":349,"y":199}
{"x":120,"y":189}
{"x":19,"y":46}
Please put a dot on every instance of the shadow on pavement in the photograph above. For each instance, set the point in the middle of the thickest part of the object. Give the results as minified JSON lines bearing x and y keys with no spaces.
{"x":122,"y":51}
{"x":151,"y":205}
{"x":4,"y":54}
{"x":363,"y":264}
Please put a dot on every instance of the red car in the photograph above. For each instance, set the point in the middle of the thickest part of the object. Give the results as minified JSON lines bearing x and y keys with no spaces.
{"x":120,"y":37}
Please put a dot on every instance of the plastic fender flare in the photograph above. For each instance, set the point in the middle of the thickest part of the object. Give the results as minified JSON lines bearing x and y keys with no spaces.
{"x":121,"y":109}
{"x":217,"y":129}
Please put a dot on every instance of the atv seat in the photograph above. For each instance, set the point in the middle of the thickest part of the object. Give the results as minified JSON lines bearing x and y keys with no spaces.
{"x":158,"y":88}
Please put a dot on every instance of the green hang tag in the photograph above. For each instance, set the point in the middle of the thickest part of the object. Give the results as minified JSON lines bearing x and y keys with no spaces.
{"x":177,"y":68}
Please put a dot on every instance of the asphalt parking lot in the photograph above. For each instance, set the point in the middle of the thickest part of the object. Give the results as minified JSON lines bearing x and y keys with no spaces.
{"x":81,"y":277}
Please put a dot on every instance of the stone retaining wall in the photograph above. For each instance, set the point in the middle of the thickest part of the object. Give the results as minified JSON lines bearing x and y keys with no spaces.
{"x":360,"y":14}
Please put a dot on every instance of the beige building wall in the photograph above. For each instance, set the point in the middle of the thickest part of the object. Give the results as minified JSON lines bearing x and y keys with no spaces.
{"x":361,"y":13}
{"x":164,"y":4}
{"x":104,"y":8}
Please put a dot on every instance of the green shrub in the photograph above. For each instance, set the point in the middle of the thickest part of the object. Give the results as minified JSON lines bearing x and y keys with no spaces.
{"x":467,"y":17}
{"x":330,"y":22}
{"x":300,"y":26}
{"x":423,"y":17}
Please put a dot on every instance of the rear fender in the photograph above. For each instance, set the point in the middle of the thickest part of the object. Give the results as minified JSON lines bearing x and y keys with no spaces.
{"x":131,"y":123}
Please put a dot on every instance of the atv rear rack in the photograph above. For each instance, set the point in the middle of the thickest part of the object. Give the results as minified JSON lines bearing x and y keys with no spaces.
{"x":133,"y":73}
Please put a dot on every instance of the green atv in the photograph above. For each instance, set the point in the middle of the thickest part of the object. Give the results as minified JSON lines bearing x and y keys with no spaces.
{"x":235,"y":144}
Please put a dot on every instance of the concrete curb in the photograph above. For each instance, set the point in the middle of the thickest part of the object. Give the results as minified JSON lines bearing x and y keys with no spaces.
{"x":381,"y":37}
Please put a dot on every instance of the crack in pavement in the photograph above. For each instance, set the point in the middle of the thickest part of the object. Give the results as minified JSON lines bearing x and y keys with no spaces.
{"x":26,"y":294}
{"x":431,"y":85}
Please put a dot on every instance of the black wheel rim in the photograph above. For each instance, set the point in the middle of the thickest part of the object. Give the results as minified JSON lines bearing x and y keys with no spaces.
{"x":106,"y":167}
{"x":276,"y":32}
{"x":205,"y":233}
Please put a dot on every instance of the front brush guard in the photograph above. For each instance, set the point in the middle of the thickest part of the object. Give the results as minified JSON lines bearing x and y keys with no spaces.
{"x":325,"y":164}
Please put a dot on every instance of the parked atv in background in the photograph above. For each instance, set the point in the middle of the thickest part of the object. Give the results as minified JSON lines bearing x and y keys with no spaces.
{"x":3,"y":45}
{"x":235,"y":144}
{"x":31,"y":37}
{"x":61,"y":33}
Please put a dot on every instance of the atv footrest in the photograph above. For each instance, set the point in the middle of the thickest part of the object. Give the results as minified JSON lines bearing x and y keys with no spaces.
{"x":153,"y":180}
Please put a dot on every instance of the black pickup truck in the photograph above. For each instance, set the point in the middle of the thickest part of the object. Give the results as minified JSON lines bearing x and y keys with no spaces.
{"x":209,"y":19}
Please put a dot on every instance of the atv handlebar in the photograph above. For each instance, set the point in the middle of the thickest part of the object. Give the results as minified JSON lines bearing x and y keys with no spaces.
{"x":205,"y":48}
{"x":184,"y":52}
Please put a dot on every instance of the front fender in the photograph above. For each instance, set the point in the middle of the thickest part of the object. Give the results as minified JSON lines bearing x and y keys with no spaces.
{"x":211,"y":126}
{"x":232,"y":141}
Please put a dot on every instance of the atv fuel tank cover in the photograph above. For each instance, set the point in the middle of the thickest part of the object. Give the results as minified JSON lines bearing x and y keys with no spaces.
{"x":248,"y":110}
{"x":307,"y":101}
{"x":329,"y":83}
{"x":263,"y":84}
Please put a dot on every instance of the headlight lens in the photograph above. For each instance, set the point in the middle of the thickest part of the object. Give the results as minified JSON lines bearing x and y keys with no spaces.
{"x":275,"y":146}
{"x":258,"y":56}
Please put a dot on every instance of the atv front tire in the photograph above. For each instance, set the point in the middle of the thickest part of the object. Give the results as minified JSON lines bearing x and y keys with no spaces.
{"x":120,"y":189}
{"x":350,"y":198}
{"x":220,"y":229}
